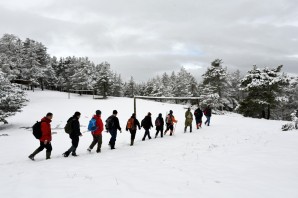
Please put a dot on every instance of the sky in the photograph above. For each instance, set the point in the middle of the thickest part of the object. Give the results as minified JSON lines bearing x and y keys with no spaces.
{"x":144,"y":38}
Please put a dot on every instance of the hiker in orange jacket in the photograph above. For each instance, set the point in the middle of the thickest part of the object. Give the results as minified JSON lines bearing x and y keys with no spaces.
{"x":170,"y":120}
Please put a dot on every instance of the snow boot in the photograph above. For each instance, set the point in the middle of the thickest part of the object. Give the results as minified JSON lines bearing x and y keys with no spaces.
{"x":66,"y":154}
{"x":98,"y":150}
{"x":74,"y":154}
{"x":33,"y":154}
{"x":89,"y":149}
{"x":48,"y":155}
{"x":131,"y":142}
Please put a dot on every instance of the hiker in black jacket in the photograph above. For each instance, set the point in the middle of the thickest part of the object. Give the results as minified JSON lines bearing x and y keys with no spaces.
{"x":74,"y":135}
{"x":147,"y":124}
{"x":159,"y":122}
{"x":112,"y":125}
{"x":198,"y":115}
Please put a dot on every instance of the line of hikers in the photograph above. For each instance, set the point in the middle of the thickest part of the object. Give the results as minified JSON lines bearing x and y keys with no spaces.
{"x":42,"y":129}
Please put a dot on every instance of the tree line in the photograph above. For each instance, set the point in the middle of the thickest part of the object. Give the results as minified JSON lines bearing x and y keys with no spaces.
{"x":261,"y":93}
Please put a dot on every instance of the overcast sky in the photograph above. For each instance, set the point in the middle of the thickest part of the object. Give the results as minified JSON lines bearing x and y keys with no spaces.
{"x":144,"y":38}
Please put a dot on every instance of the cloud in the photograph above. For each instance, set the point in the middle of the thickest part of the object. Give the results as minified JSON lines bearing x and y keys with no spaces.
{"x":145,"y":38}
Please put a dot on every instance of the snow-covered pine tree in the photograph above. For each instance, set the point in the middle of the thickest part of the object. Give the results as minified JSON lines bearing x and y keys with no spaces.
{"x":288,"y":100}
{"x":208,"y":96}
{"x":166,"y":86}
{"x":232,"y":90}
{"x":263,"y":88}
{"x":185,"y":84}
{"x":12,"y":98}
{"x":103,"y":80}
{"x":117,"y":85}
{"x":216,"y":77}
{"x":82,"y":78}
{"x":10,"y":56}
{"x":50,"y":79}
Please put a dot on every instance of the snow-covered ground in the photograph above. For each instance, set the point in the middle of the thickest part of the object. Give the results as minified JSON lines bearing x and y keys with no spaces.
{"x":234,"y":157}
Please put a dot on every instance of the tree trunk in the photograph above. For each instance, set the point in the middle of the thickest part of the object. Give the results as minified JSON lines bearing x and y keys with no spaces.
{"x":268,"y":112}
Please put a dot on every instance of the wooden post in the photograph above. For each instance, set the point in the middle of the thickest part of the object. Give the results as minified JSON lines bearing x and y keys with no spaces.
{"x":135,"y":105}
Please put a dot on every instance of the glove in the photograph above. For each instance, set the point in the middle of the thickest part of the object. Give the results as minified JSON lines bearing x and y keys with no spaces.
{"x":45,"y":142}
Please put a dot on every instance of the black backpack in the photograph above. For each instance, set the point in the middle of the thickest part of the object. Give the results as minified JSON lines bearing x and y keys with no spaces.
{"x":68,"y":127}
{"x":109,"y":123}
{"x":37,"y":130}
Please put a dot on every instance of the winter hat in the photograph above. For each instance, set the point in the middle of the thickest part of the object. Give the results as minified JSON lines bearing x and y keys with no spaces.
{"x":171,"y":111}
{"x":133,"y":115}
{"x":49,"y":114}
{"x":98,"y":112}
{"x":149,"y":114}
{"x":77,"y":114}
{"x":160,"y":115}
{"x":115,"y":112}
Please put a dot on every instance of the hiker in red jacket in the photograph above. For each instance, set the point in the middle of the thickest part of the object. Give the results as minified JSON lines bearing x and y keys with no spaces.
{"x":46,"y":137}
{"x":97,"y":134}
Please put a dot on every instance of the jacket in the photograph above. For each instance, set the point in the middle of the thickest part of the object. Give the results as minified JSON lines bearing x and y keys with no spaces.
{"x":208,"y":112}
{"x":188,"y":118}
{"x":115,"y":123}
{"x":147,"y":122}
{"x":75,"y":127}
{"x":136,"y":123}
{"x":46,"y":133}
{"x":171,"y":119}
{"x":198,"y":113}
{"x":99,"y":125}
{"x":161,"y":121}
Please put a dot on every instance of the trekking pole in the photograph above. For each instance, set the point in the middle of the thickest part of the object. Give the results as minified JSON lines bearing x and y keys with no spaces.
{"x":174,"y":128}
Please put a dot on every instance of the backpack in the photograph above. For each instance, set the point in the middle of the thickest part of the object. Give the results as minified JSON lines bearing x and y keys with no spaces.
{"x":68,"y":128}
{"x":143,"y":122}
{"x":157,"y":122}
{"x":109,"y":123}
{"x":37,"y":130}
{"x":130,"y":124}
{"x":92,"y":125}
{"x":169,"y":119}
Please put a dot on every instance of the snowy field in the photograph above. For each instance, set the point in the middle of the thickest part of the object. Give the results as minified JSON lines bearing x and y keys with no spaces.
{"x":235,"y":157}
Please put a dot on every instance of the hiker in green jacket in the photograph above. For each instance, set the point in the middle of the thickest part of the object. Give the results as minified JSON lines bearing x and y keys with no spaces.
{"x":188,"y":120}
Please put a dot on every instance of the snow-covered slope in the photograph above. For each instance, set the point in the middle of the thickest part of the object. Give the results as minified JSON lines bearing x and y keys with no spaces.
{"x":234,"y":157}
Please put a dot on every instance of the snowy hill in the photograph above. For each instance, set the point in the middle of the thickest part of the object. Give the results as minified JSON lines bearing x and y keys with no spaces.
{"x":234,"y":157}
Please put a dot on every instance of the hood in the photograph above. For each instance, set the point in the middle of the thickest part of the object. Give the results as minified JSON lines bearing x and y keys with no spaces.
{"x":45,"y":119}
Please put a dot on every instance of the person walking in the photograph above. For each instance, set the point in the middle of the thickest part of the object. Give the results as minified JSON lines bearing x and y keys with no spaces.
{"x":112,"y":125}
{"x":147,"y":124}
{"x":97,"y":133}
{"x":74,"y":134}
{"x":46,"y":137}
{"x":208,"y":113}
{"x":198,"y":116}
{"x":170,"y":120}
{"x":132,"y":125}
{"x":159,"y":123}
{"x":188,"y":120}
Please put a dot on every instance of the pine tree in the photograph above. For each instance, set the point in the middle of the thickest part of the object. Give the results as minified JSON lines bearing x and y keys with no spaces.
{"x":12,"y":98}
{"x":263,"y":87}
{"x":215,"y":77}
{"x":103,"y":74}
{"x":10,"y":56}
